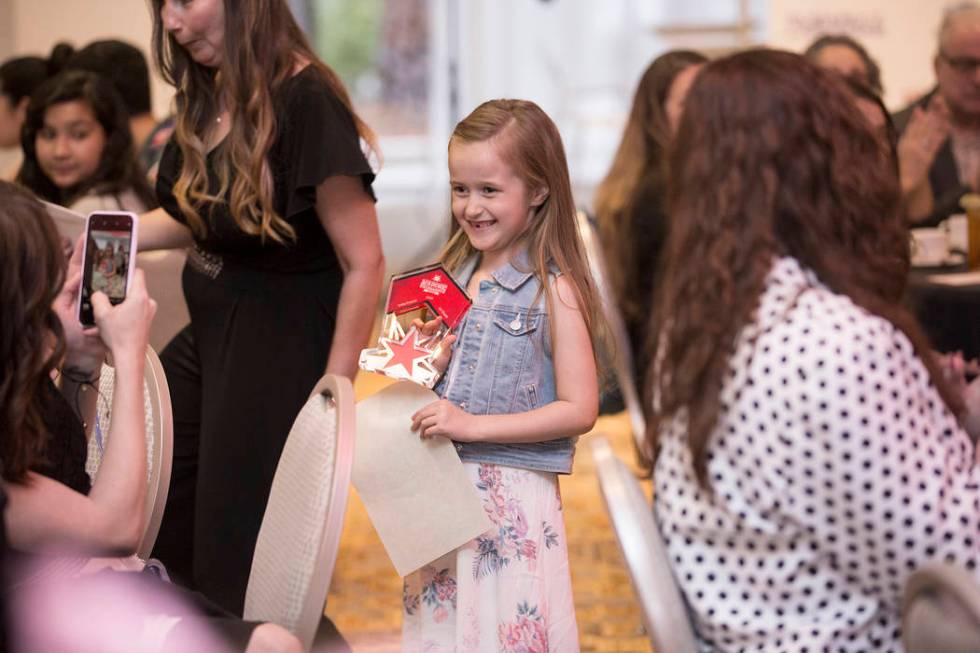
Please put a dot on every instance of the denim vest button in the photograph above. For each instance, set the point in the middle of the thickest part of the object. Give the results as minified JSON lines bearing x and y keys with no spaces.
{"x":515,"y":325}
{"x":462,"y":405}
{"x":459,"y":447}
{"x":494,"y":290}
{"x":478,"y":326}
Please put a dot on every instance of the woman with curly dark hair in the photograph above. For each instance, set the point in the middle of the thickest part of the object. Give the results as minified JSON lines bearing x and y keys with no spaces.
{"x":810,"y":450}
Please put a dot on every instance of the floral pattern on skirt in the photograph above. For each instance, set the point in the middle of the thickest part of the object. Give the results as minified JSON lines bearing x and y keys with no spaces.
{"x":509,"y":590}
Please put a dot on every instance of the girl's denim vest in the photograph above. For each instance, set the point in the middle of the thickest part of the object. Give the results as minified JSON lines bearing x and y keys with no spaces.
{"x":502,"y":364}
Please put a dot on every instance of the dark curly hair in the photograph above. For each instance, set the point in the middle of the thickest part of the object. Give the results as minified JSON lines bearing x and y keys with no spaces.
{"x":772,"y":158}
{"x":118,"y":169}
{"x":32,"y":271}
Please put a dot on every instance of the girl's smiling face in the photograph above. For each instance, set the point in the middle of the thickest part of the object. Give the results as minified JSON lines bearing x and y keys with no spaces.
{"x":69,"y":145}
{"x":491,"y":204}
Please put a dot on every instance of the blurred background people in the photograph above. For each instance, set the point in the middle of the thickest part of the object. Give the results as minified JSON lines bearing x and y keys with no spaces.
{"x":125,"y":66}
{"x":940,"y":147}
{"x":78,"y":150}
{"x":811,"y":453}
{"x":629,"y":203}
{"x":18,"y":79}
{"x":876,"y":113}
{"x":841,"y":53}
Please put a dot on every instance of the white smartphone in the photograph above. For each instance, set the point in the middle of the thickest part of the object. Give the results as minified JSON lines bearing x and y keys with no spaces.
{"x":108,"y":259}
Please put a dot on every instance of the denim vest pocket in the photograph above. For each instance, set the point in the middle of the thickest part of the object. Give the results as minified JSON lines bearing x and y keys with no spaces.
{"x":516,"y":323}
{"x":516,"y":338}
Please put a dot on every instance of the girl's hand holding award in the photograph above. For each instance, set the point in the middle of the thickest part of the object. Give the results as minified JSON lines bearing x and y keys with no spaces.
{"x":414,"y":345}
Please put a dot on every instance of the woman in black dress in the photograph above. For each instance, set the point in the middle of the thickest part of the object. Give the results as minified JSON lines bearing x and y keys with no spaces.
{"x":266,"y":179}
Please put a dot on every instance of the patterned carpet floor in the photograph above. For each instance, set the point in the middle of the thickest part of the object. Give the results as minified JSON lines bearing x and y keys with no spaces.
{"x":365,"y":594}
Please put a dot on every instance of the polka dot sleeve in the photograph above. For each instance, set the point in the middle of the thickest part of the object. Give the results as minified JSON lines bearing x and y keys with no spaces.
{"x":875,"y":466}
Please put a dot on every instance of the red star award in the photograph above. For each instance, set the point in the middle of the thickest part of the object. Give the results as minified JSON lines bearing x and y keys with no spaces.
{"x":403,"y":351}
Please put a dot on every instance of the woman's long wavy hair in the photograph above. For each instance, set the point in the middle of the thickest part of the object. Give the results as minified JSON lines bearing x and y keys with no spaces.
{"x":772,"y":158}
{"x":262,"y":46}
{"x":529,"y":142}
{"x":638,"y":163}
{"x":118,"y":170}
{"x":32,"y":342}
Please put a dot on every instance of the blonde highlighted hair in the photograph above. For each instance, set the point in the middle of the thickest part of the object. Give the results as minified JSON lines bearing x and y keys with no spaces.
{"x":262,"y":45}
{"x":530,"y":144}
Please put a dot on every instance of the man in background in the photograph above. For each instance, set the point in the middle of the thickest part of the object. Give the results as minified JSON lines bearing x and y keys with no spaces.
{"x":939,"y":152}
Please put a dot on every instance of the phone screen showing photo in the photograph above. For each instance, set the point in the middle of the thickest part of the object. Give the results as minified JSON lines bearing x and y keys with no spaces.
{"x":106,"y":264}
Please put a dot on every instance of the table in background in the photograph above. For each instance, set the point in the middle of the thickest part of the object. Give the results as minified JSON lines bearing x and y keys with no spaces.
{"x":949,"y":313}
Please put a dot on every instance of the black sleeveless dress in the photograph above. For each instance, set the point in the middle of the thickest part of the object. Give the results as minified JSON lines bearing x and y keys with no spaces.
{"x":262,"y":319}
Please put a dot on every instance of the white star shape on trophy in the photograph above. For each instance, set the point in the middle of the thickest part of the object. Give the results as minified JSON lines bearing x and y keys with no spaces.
{"x":402,"y":359}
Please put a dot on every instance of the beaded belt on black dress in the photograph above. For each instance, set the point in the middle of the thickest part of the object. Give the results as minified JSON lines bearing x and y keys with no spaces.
{"x":207,"y":263}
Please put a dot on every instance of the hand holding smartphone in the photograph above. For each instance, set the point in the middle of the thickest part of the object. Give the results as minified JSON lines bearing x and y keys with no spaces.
{"x":108,"y":260}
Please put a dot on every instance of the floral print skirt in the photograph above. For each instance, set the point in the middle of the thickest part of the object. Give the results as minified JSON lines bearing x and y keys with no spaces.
{"x":509,"y":590}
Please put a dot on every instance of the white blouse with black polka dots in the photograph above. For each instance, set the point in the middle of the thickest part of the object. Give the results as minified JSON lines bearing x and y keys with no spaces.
{"x":836,"y":470}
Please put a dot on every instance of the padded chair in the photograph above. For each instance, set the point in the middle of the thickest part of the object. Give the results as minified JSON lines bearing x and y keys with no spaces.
{"x":623,"y":356}
{"x":941,"y":610}
{"x":664,"y":611}
{"x":300,"y":533}
{"x":159,"y":441}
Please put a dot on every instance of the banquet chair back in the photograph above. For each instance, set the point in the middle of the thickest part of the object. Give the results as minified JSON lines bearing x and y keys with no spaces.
{"x":159,"y":441}
{"x":664,"y":611}
{"x":623,"y":354}
{"x":300,"y":533}
{"x":941,"y":610}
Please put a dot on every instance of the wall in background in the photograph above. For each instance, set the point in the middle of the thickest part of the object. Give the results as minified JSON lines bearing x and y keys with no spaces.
{"x":36,"y":25}
{"x":899,"y":34}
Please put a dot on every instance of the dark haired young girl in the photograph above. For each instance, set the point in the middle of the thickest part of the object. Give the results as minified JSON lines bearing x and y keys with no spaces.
{"x":78,"y":150}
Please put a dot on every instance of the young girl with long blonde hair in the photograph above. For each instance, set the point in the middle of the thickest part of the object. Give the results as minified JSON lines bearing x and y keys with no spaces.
{"x":518,"y":389}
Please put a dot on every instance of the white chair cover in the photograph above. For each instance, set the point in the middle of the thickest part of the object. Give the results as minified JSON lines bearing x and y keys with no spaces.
{"x":664,"y":611}
{"x":623,"y":356}
{"x":159,"y":441}
{"x":300,"y":533}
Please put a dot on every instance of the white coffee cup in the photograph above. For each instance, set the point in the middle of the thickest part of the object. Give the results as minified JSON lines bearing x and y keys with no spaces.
{"x":955,"y":226}
{"x":929,"y":246}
